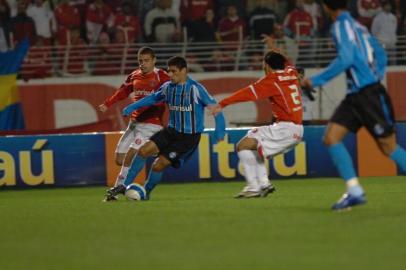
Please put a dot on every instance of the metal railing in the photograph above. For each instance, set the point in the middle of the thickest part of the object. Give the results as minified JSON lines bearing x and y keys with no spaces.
{"x":115,"y":59}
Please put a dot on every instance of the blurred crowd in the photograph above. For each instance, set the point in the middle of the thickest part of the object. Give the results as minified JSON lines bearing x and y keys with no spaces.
{"x":106,"y":22}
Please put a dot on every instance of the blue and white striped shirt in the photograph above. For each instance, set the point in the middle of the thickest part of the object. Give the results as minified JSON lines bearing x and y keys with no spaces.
{"x":358,"y":54}
{"x":186,"y":104}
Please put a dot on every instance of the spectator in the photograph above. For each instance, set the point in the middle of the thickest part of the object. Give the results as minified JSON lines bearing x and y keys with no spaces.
{"x":22,"y":26}
{"x":283,"y":43}
{"x":143,"y":7}
{"x":106,"y":58}
{"x":240,"y":5}
{"x":124,"y":53}
{"x":4,"y":12}
{"x":13,"y":7}
{"x":67,"y":18}
{"x":367,"y":10}
{"x":314,"y":10}
{"x":4,"y":18}
{"x":204,"y":30}
{"x":128,"y":23}
{"x":402,"y":11}
{"x":161,"y":23}
{"x":261,"y":20}
{"x":44,"y":20}
{"x":99,"y":16}
{"x":231,"y":27}
{"x":37,"y":63}
{"x":194,"y":10}
{"x":77,"y":54}
{"x":298,"y":23}
{"x":384,"y":28}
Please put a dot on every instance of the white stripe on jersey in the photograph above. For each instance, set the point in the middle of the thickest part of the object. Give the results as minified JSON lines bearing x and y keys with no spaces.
{"x":253,"y":91}
{"x":349,"y":30}
{"x":283,"y":95}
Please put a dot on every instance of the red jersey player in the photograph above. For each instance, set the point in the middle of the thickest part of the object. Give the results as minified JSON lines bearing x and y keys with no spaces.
{"x":144,"y":122}
{"x":281,"y":86}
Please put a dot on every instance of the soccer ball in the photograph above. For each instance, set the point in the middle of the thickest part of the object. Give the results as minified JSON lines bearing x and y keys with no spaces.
{"x":135,"y":192}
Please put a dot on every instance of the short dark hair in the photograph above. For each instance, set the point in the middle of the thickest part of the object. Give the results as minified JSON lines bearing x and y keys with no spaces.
{"x":336,"y":4}
{"x":146,"y":50}
{"x":177,"y":61}
{"x":275,"y":60}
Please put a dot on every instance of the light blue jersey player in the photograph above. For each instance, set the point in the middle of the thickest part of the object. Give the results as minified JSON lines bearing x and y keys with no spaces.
{"x":174,"y":144}
{"x":367,"y":103}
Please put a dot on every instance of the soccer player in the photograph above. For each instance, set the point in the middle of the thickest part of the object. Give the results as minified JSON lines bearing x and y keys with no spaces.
{"x":366,"y":104}
{"x":142,"y":82}
{"x":173,"y":145}
{"x":281,"y":86}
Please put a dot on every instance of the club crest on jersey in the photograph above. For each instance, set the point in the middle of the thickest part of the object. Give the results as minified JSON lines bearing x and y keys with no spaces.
{"x":378,"y":129}
{"x":172,"y":155}
{"x":138,"y":141}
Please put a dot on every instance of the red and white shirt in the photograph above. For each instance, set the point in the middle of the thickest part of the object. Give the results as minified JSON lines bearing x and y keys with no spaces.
{"x":281,"y":87}
{"x":138,"y":86}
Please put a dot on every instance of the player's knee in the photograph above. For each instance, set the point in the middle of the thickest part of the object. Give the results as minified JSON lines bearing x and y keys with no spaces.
{"x":329,"y":140}
{"x":143,"y":152}
{"x":119,"y":162}
{"x":386,"y":148}
{"x":158,"y":167}
{"x":242,"y":146}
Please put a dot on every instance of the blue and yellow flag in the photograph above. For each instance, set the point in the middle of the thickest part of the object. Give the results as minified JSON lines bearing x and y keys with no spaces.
{"x":11,"y":115}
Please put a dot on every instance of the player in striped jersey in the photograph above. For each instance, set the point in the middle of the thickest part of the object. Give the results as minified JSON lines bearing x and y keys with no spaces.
{"x":281,"y":86}
{"x":366,"y":104}
{"x":143,"y":123}
{"x":186,"y":99}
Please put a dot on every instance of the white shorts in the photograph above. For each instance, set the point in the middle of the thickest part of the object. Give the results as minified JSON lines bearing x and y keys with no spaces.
{"x":277,"y":138}
{"x":136,"y":135}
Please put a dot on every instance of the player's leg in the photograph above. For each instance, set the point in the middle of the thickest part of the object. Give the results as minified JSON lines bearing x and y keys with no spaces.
{"x":125,"y":167}
{"x":177,"y":149}
{"x":246,"y":149}
{"x":380,"y":122}
{"x":155,"y":173}
{"x":342,"y":160}
{"x":148,"y":149}
{"x":135,"y":162}
{"x":124,"y":143}
{"x":262,"y":174}
{"x":345,"y":119}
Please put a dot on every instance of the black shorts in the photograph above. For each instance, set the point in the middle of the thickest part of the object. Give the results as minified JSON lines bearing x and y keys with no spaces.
{"x":371,"y":108}
{"x":175,"y":146}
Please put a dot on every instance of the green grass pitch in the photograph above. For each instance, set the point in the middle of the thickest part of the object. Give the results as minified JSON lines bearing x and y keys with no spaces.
{"x":200,"y":226}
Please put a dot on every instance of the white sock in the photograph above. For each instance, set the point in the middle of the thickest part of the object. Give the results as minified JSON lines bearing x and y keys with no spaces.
{"x":352,"y":182}
{"x":122,"y":175}
{"x":262,"y":172}
{"x":249,"y":162}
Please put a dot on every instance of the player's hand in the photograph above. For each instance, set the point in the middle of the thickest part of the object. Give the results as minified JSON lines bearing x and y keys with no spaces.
{"x":214,"y":109}
{"x":307,"y":88}
{"x":102,"y":108}
{"x":306,"y":83}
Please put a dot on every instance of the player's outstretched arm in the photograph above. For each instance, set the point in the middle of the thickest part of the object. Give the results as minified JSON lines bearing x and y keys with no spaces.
{"x":145,"y":102}
{"x":220,"y":130}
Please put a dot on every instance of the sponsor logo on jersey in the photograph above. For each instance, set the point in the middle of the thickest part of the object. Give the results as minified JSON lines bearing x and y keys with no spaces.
{"x":180,"y":108}
{"x":143,"y":92}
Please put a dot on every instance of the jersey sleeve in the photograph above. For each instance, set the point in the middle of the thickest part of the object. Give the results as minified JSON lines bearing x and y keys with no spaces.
{"x":261,"y":89}
{"x":344,"y":38}
{"x":203,"y":96}
{"x":122,"y":93}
